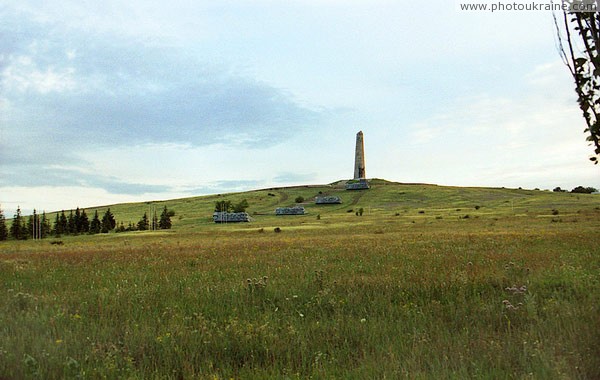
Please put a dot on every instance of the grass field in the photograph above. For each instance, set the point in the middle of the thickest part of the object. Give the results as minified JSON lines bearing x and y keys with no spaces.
{"x":431,"y":282}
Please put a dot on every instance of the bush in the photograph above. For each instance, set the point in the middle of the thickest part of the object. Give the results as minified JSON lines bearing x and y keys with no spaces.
{"x":584,"y":190}
{"x":299,"y":199}
{"x":241,"y":207}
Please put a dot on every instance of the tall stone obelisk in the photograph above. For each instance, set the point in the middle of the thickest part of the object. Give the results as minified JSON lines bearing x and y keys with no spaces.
{"x":359,"y":157}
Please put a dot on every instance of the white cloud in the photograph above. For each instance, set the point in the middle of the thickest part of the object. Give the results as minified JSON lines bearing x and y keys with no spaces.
{"x":532,"y":139}
{"x":23,"y":75}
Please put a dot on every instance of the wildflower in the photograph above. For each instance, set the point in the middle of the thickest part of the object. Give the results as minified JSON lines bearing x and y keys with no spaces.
{"x":516,"y":290}
{"x":509,"y":306}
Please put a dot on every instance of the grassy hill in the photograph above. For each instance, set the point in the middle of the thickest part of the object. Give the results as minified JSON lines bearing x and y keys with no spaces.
{"x":408,"y":202}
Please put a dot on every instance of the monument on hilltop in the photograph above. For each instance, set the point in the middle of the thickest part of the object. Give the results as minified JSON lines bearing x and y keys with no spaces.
{"x":360,"y":177}
{"x":359,"y":157}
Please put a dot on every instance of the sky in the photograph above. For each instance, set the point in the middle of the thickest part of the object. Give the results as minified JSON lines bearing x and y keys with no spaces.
{"x":110,"y":102}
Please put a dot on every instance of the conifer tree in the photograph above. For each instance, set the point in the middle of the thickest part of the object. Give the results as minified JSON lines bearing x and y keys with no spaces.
{"x":56,"y":228}
{"x":76,"y":221}
{"x":95,"y":225}
{"x":63,"y":223}
{"x":108,"y":222}
{"x":165,"y":220}
{"x":71,"y":227}
{"x":45,"y":228}
{"x":143,"y":224}
{"x":3,"y":228}
{"x":84,"y":223}
{"x":18,"y":229}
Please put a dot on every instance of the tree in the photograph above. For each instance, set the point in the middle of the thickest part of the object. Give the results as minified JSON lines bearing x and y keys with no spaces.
{"x":71,"y":225}
{"x":18,"y":230}
{"x":95,"y":225}
{"x":45,"y":225}
{"x":584,"y":190}
{"x":61,"y":224}
{"x":108,"y":222}
{"x":223,"y":206}
{"x":165,"y":219}
{"x":83,"y":223}
{"x":579,"y":49}
{"x":3,"y":228}
{"x":241,"y":206}
{"x":121,"y":228}
{"x":143,"y":224}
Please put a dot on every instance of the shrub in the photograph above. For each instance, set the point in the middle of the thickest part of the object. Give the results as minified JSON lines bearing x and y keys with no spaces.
{"x":241,"y":207}
{"x":584,"y":190}
{"x":299,"y":199}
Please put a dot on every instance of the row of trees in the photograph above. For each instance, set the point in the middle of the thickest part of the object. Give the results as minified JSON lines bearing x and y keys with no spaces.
{"x":164,"y":223}
{"x":38,"y":226}
{"x":578,"y":190}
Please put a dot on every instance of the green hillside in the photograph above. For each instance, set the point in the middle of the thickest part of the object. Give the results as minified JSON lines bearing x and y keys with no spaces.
{"x":411,"y":203}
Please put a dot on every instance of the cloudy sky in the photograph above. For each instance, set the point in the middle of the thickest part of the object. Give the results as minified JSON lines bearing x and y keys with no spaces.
{"x":108,"y":101}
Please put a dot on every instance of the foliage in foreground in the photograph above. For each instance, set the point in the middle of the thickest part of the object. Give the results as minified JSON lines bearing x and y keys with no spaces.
{"x":487,"y":298}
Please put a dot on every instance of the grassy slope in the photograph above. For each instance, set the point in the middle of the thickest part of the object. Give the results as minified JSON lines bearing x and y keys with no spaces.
{"x":413,"y":295}
{"x":383,"y":199}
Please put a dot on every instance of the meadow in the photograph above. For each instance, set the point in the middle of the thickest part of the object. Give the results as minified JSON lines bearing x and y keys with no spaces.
{"x":431,"y":282}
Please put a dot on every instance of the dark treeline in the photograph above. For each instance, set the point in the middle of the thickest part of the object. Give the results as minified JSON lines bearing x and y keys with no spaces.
{"x":75,"y":222}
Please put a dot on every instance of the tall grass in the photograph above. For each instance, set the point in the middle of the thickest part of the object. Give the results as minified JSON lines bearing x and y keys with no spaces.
{"x":380,"y":301}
